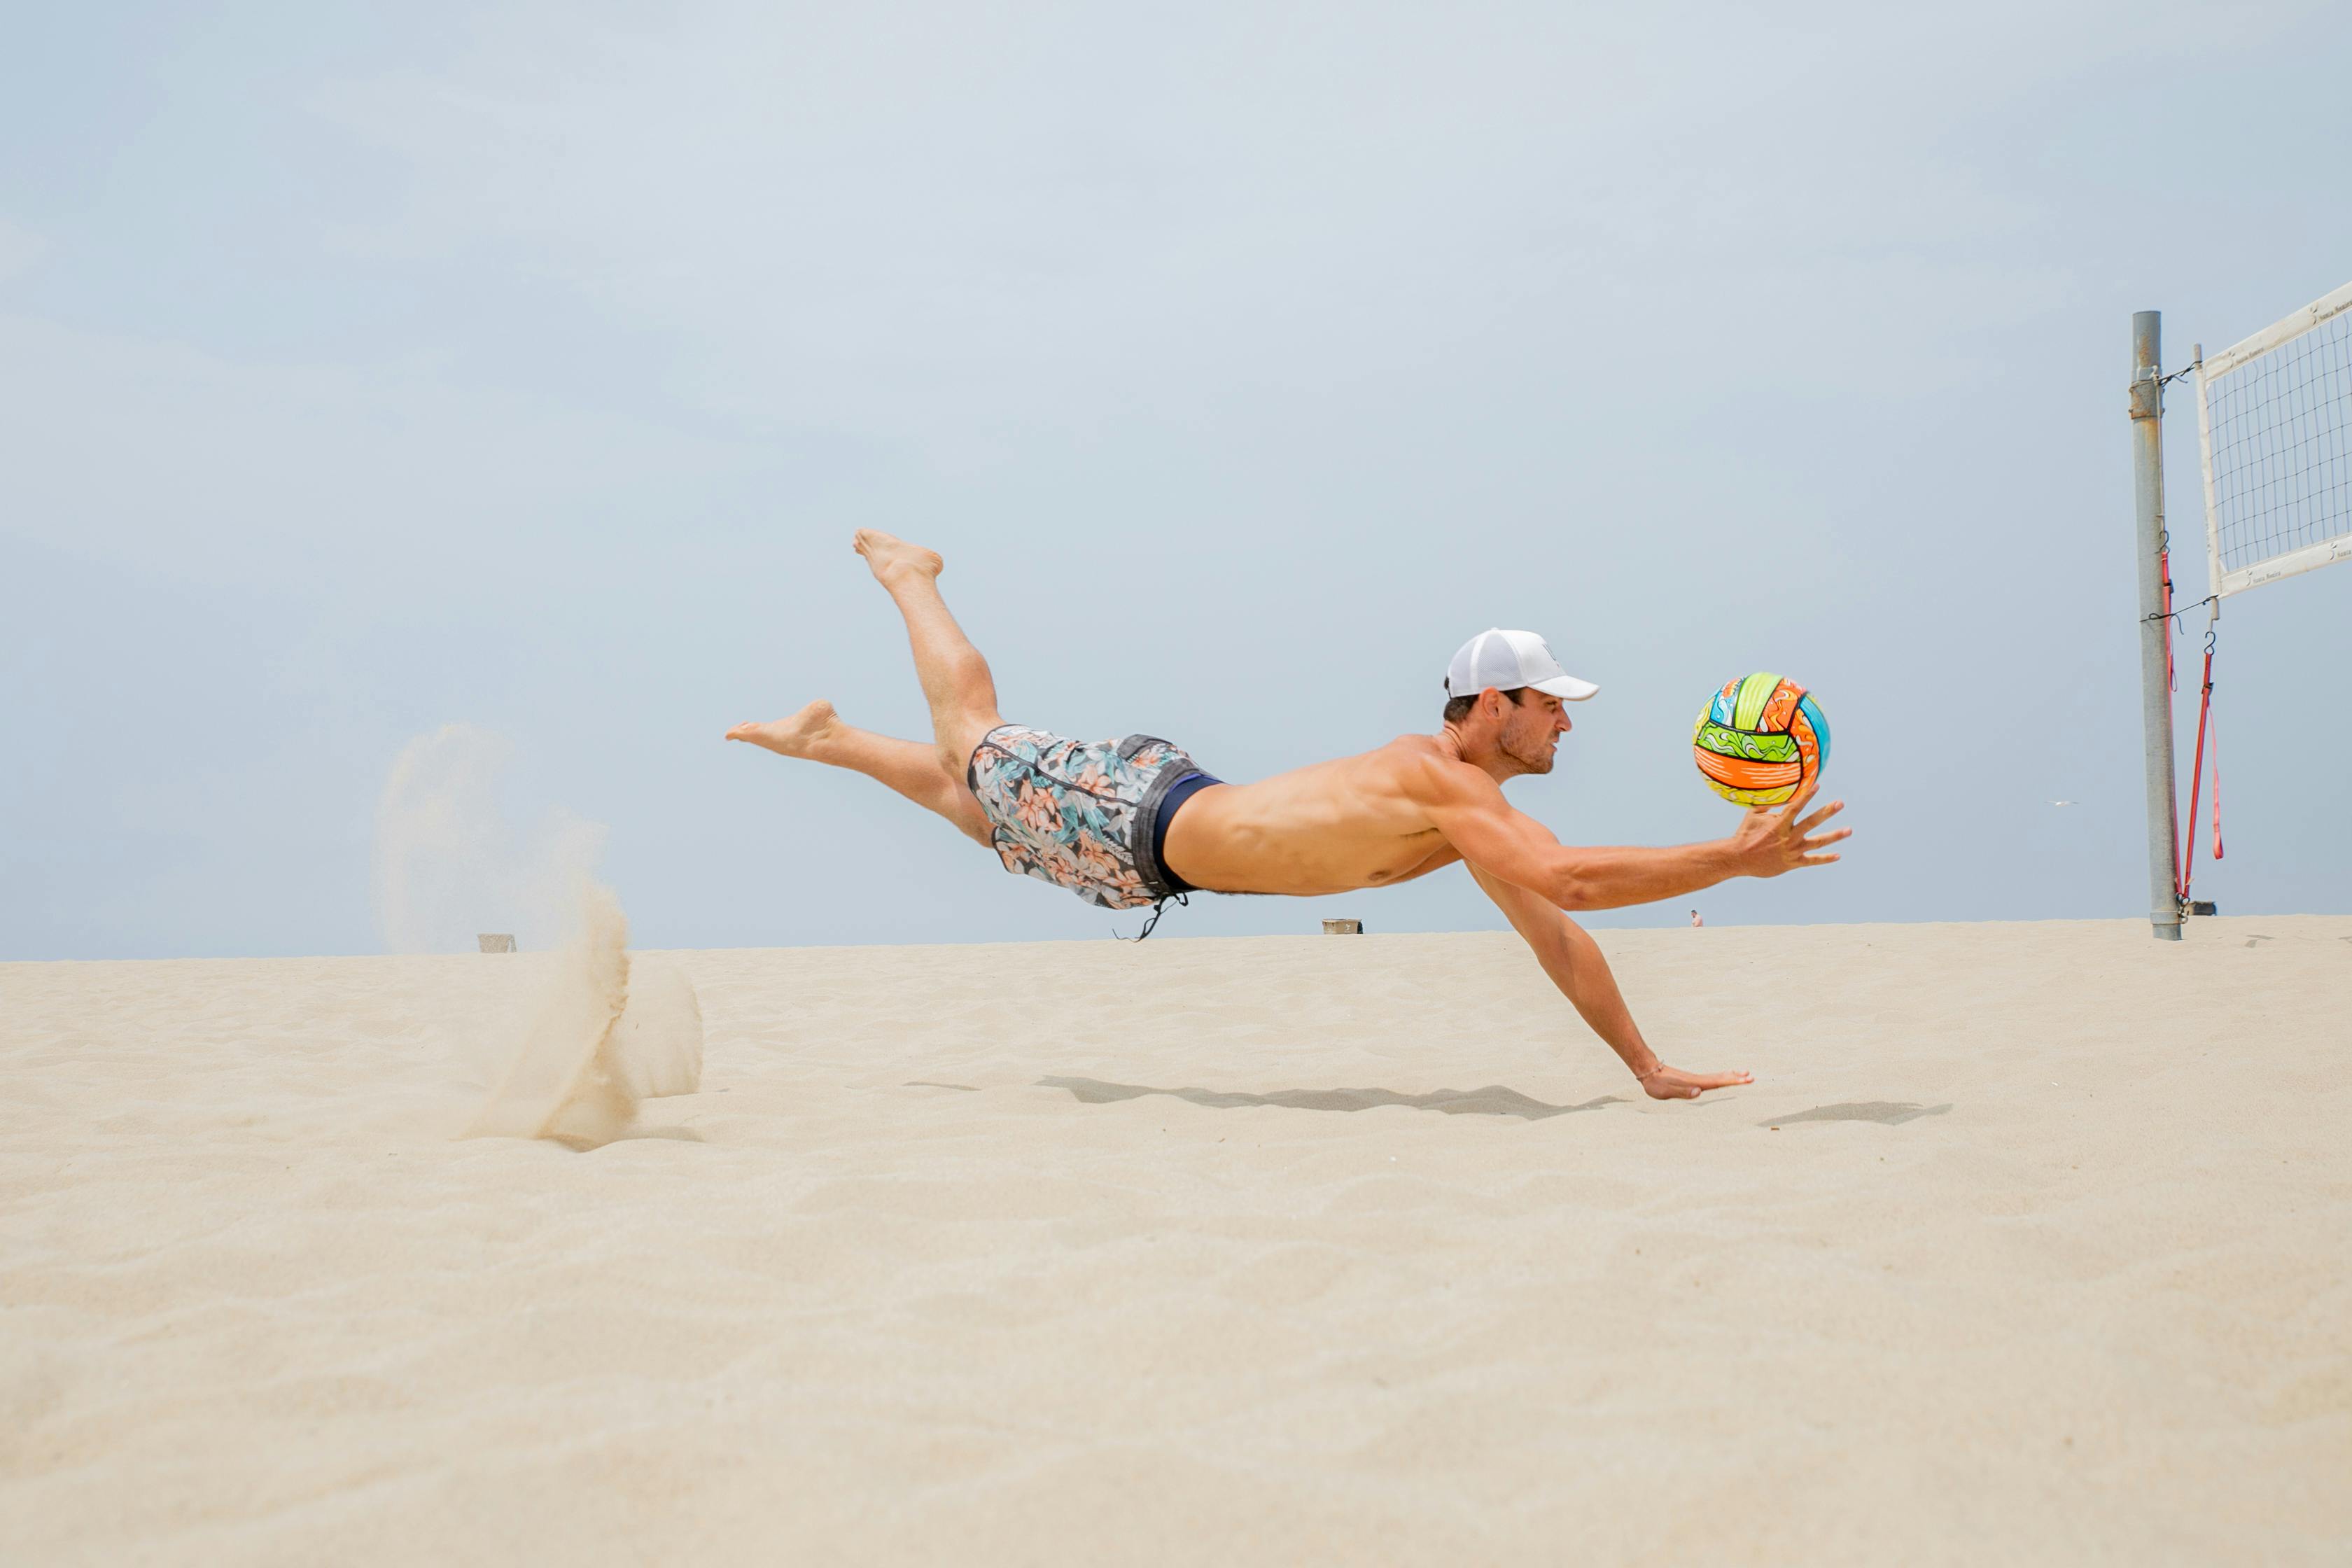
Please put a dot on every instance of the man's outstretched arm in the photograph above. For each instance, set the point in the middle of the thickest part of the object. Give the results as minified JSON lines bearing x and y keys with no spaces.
{"x":1575,"y":962}
{"x":1470,"y":810}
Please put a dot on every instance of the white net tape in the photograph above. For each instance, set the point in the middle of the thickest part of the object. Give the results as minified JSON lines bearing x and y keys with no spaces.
{"x":2275,"y":428}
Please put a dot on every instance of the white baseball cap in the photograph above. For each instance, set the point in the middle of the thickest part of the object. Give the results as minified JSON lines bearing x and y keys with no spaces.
{"x":1508,"y":660}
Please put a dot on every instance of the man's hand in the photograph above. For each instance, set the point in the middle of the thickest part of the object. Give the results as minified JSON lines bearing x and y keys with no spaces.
{"x":1664,"y":1082}
{"x":1770,"y":842}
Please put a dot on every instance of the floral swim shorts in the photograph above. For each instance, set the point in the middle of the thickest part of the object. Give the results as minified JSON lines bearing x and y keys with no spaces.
{"x":1080,"y":813}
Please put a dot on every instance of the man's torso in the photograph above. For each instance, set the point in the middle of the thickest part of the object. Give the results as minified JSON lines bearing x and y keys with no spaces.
{"x":1357,"y":821}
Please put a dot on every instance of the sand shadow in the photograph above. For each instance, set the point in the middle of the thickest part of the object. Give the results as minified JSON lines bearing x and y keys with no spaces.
{"x":1885,"y":1112}
{"x":1492,"y":1100}
{"x":634,"y":1135}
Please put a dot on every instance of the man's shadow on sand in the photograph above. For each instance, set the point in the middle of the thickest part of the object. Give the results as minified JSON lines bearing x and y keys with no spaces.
{"x":1492,"y":1100}
{"x":1885,"y":1112}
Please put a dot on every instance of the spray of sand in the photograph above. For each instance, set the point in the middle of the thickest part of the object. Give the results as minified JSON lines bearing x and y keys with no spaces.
{"x":590,"y":1035}
{"x":458,"y":853}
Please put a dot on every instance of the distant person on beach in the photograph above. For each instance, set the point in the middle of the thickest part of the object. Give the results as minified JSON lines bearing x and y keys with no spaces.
{"x":1125,"y":824}
{"x":1695,"y":921}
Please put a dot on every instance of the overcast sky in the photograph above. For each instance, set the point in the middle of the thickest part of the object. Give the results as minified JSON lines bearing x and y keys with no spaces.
{"x":364,"y":370}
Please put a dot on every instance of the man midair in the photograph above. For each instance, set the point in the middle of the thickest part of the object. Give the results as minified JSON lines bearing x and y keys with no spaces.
{"x":1133,"y":822}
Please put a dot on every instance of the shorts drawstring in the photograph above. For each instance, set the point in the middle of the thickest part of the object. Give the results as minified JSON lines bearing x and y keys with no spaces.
{"x":1158,"y":908}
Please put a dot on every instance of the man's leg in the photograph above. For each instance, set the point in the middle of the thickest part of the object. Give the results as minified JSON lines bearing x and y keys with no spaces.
{"x":817,"y":733}
{"x":956,"y":679}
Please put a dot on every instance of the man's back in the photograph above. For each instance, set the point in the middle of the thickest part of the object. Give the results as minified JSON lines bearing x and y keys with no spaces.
{"x":1356,"y":822}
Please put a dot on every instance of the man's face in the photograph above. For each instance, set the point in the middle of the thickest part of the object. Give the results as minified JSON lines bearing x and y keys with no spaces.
{"x":1531,"y":729}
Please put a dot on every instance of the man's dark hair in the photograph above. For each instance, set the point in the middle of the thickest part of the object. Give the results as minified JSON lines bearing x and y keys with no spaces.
{"x":1458,"y":707}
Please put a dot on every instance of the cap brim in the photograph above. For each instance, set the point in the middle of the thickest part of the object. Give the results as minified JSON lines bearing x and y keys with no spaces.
{"x":1566,"y":688}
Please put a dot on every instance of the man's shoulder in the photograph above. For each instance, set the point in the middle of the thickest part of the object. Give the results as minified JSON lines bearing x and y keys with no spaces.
{"x":1422,"y":767}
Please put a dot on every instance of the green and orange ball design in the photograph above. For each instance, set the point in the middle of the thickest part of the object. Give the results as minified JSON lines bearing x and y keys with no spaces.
{"x":1761,"y":741}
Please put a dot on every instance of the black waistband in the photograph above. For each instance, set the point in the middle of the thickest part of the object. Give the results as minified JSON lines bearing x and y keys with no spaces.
{"x":1177,"y":794}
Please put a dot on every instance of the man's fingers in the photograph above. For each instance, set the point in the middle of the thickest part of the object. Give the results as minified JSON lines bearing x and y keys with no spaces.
{"x":1797,"y":801}
{"x":1691,"y":1085}
{"x":1821,"y":840}
{"x":1820,"y":816}
{"x":1818,"y":860}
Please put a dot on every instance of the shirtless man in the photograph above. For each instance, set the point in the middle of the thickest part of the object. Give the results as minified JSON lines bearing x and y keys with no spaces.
{"x":1127,"y":823}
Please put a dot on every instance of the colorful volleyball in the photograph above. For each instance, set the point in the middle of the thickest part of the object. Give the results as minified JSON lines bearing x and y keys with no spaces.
{"x":1761,"y":741}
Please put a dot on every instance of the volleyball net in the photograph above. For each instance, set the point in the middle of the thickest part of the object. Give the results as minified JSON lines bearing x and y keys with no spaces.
{"x":2275,"y":433}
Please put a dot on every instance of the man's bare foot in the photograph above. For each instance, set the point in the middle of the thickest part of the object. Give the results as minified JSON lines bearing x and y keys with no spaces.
{"x":889,"y":556}
{"x":798,"y":736}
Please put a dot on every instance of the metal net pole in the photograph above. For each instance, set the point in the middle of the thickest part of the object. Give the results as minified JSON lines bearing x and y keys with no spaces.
{"x":2155,"y":685}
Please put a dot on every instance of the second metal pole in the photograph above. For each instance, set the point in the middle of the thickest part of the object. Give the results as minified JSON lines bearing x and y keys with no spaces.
{"x":2155,"y":686}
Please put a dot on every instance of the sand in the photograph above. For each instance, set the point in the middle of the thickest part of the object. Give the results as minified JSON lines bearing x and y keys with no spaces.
{"x":2028,"y":1244}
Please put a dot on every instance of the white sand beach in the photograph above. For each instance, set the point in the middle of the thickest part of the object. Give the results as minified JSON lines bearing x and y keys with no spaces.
{"x":2030,"y":1243}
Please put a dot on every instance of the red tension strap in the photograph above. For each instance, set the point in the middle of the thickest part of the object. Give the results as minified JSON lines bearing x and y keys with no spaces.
{"x":2197,"y":778}
{"x":2217,"y":793}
